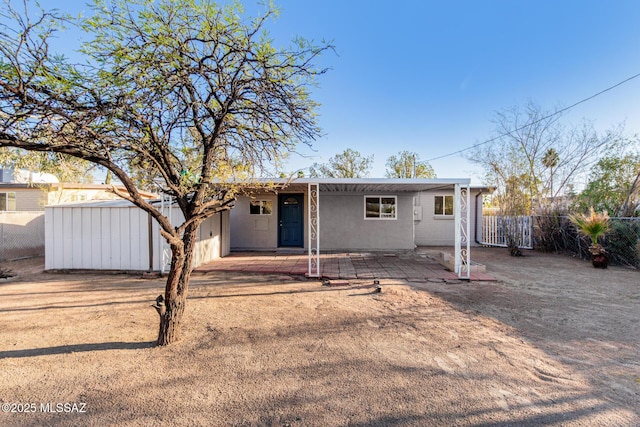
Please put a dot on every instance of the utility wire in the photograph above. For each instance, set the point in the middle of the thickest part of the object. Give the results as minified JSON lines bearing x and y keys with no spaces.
{"x":536,"y":121}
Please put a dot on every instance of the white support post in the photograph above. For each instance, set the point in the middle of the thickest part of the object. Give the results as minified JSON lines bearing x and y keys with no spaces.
{"x":465,"y":242}
{"x":456,"y":226}
{"x":165,"y":250}
{"x":314,"y":230}
{"x":462,"y":215}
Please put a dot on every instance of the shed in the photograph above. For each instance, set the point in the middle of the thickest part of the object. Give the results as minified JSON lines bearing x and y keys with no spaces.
{"x":117,"y":235}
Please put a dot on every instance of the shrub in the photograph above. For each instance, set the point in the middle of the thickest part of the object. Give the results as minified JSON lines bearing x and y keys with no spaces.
{"x":593,"y":225}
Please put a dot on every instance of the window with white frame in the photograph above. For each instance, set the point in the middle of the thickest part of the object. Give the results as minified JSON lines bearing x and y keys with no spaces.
{"x":380,"y":207}
{"x":8,"y":201}
{"x":260,"y":207}
{"x":443,"y":205}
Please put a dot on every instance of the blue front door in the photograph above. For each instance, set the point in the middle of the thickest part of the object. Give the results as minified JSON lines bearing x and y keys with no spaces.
{"x":290,"y":220}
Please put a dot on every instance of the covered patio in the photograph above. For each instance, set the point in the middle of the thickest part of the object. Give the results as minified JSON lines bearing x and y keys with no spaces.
{"x":409,"y":265}
{"x":316,"y":189}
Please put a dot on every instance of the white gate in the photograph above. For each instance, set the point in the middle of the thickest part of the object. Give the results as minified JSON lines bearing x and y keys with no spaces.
{"x":496,"y":230}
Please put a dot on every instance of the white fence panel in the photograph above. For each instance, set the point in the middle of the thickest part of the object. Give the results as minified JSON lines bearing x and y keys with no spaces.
{"x":496,"y":229}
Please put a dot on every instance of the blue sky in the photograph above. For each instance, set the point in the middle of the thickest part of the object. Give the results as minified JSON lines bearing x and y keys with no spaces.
{"x":428,"y":76}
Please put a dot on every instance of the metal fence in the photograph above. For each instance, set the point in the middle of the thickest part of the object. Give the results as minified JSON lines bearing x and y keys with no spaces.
{"x":498,"y":229}
{"x":21,"y":235}
{"x":555,"y":233}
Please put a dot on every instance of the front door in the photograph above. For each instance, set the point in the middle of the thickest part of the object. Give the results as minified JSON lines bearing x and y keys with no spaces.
{"x":290,"y":220}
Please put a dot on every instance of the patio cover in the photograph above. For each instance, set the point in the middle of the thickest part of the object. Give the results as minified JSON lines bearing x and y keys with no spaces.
{"x":316,"y":186}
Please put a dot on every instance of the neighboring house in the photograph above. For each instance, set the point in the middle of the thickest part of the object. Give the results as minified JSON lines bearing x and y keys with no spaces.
{"x":23,"y":197}
{"x":21,"y":190}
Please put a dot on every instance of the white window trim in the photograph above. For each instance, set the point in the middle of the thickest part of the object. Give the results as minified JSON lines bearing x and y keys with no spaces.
{"x":262,"y":203}
{"x":6,"y":194}
{"x":379,"y":218}
{"x":443,"y":215}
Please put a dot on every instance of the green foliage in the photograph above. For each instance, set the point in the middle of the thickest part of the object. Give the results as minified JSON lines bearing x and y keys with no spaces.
{"x":166,"y":86}
{"x":609,"y":184}
{"x":407,"y":164}
{"x":188,"y":95}
{"x":65,"y":168}
{"x":551,"y":158}
{"x":593,"y":225}
{"x":623,"y":242}
{"x":349,"y":164}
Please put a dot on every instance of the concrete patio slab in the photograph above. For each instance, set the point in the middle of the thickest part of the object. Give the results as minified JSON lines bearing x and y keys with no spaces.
{"x":412,"y":266}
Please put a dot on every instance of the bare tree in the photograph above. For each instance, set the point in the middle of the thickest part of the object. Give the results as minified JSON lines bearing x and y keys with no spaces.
{"x":533,"y":148}
{"x":349,"y":164}
{"x":182,"y":93}
{"x":407,"y":164}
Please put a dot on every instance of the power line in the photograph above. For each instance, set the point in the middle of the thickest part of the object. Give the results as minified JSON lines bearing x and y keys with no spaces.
{"x":536,"y":121}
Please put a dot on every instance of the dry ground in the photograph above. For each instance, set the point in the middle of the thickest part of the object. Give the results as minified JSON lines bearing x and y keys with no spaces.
{"x":552,"y":342}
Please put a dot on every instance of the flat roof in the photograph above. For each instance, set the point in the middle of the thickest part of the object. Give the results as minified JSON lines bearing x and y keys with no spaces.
{"x":373,"y":184}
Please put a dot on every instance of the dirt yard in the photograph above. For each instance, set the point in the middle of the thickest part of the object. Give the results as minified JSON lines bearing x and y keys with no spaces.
{"x":552,"y":342}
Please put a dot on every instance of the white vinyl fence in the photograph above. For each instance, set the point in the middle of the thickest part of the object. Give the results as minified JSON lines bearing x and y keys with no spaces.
{"x":497,"y":229}
{"x":21,"y":235}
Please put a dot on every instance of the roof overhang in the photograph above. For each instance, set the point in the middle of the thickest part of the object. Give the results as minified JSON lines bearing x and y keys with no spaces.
{"x":371,"y":185}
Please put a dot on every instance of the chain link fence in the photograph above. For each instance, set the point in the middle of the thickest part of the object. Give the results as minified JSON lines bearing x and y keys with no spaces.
{"x":21,"y":235}
{"x":556,"y":233}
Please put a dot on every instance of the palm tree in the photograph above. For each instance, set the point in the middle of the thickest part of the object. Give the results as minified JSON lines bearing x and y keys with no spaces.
{"x":550,"y":161}
{"x":593,"y":225}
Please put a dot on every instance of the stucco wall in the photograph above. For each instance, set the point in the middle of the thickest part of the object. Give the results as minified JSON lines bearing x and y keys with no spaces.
{"x":254,"y":231}
{"x":258,"y":232}
{"x":21,"y":234}
{"x":29,"y":199}
{"x":436,"y":230}
{"x":343,"y":226}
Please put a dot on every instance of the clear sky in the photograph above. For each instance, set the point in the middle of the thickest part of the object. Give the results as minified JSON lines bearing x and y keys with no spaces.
{"x":428,"y":76}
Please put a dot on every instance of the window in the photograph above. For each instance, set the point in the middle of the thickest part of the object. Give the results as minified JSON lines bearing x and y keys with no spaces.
{"x":260,"y":207}
{"x":8,"y":201}
{"x":443,"y":205}
{"x":78,"y":197}
{"x":380,"y":207}
{"x":290,"y":201}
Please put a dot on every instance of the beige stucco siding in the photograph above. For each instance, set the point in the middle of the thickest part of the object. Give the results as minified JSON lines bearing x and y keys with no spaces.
{"x":344,"y":227}
{"x":342,"y":224}
{"x":29,"y":199}
{"x":258,"y":232}
{"x":438,"y":230}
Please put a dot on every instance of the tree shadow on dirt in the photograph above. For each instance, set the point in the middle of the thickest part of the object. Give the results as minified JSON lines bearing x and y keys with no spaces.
{"x":75,"y":348}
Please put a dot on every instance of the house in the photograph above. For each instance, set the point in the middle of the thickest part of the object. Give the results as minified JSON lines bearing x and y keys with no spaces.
{"x":23,"y":196}
{"x":34,"y":197}
{"x":360,"y":214}
{"x":305,"y":214}
{"x":21,"y":190}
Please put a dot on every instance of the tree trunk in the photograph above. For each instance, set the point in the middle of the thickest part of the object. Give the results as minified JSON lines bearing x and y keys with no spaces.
{"x":171,"y":306}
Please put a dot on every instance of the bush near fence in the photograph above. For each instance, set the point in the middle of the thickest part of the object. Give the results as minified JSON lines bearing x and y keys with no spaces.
{"x":556,"y":233}
{"x":21,"y":235}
